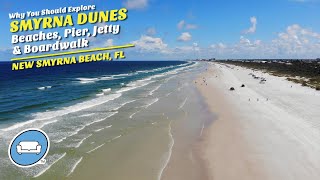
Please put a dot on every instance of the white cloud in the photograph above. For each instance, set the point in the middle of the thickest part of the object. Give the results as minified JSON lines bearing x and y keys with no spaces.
{"x":294,"y":42}
{"x":181,"y":24}
{"x":186,"y":51}
{"x":109,"y":42}
{"x":150,"y":44}
{"x":244,"y":41}
{"x":191,"y":26}
{"x":298,"y":41}
{"x":218,"y":46}
{"x":253,"y":27}
{"x":136,"y":4}
{"x":151,"y":31}
{"x":147,"y":45}
{"x":184,"y":25}
{"x":185,"y":36}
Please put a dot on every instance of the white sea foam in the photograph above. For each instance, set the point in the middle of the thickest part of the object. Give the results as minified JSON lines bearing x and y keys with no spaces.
{"x":169,"y":78}
{"x":67,"y":110}
{"x":49,"y":166}
{"x":76,"y":131}
{"x":183,"y":103}
{"x":117,"y":108}
{"x":106,"y":90}
{"x":106,"y":78}
{"x":151,"y":92}
{"x":115,"y":138}
{"x":148,"y":80}
{"x":87,"y":80}
{"x":60,"y":140}
{"x":155,"y":70}
{"x":126,"y":89}
{"x":75,"y":166}
{"x":92,"y":80}
{"x":159,"y":75}
{"x":42,"y":88}
{"x":134,"y":113}
{"x":96,"y":148}
{"x":82,"y":140}
{"x":134,"y":85}
{"x":145,"y":79}
{"x":97,"y":130}
{"x":152,"y":102}
{"x":100,"y":94}
{"x":102,"y":119}
{"x":168,"y":153}
{"x":116,"y":75}
{"x":201,"y":130}
{"x":143,"y":71}
{"x":86,"y":115}
{"x":48,"y":122}
{"x":108,"y":126}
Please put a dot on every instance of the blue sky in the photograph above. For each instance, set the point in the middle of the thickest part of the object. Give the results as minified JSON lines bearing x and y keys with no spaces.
{"x":166,"y":29}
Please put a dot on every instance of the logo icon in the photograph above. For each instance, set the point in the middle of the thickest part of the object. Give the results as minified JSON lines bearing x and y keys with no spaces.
{"x":29,"y":147}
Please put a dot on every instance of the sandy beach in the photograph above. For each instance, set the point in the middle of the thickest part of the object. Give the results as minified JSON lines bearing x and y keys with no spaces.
{"x":263,"y":130}
{"x":180,"y":122}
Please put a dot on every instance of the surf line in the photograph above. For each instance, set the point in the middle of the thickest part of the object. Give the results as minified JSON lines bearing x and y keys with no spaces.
{"x":96,"y":148}
{"x":169,"y":152}
{"x":183,"y":103}
{"x":201,"y":130}
{"x":44,"y":170}
{"x":75,"y":166}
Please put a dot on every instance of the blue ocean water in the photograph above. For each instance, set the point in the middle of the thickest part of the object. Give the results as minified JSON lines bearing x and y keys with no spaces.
{"x":83,"y":107}
{"x":26,"y":92}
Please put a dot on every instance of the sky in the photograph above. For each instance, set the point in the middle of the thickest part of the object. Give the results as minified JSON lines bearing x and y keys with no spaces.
{"x":189,"y":29}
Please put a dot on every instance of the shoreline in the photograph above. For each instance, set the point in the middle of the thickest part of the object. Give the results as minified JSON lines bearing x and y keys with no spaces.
{"x":223,"y":146}
{"x":259,"y":133}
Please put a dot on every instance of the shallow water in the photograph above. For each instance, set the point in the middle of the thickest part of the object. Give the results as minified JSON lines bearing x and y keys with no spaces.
{"x":132,"y":131}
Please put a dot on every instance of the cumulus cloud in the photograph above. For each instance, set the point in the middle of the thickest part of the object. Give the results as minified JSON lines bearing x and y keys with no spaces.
{"x":181,"y":24}
{"x":150,"y":44}
{"x":253,"y":27}
{"x":185,"y":36}
{"x":109,"y":42}
{"x":136,"y":4}
{"x":151,"y":31}
{"x":191,"y":26}
{"x":294,"y":42}
{"x":184,"y":25}
{"x":298,"y":41}
{"x":218,"y":46}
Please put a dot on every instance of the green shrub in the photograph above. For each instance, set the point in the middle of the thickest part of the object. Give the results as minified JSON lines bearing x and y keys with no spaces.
{"x":304,"y":83}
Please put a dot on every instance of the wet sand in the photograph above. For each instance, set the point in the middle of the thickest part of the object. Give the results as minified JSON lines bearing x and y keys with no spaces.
{"x":193,"y":127}
{"x":160,"y":141}
{"x":224,"y":147}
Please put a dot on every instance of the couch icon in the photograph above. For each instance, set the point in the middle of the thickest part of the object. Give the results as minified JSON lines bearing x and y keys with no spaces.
{"x":31,"y":147}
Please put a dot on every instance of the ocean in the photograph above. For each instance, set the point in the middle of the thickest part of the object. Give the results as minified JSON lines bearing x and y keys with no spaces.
{"x":24,"y":93}
{"x":85,"y":107}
